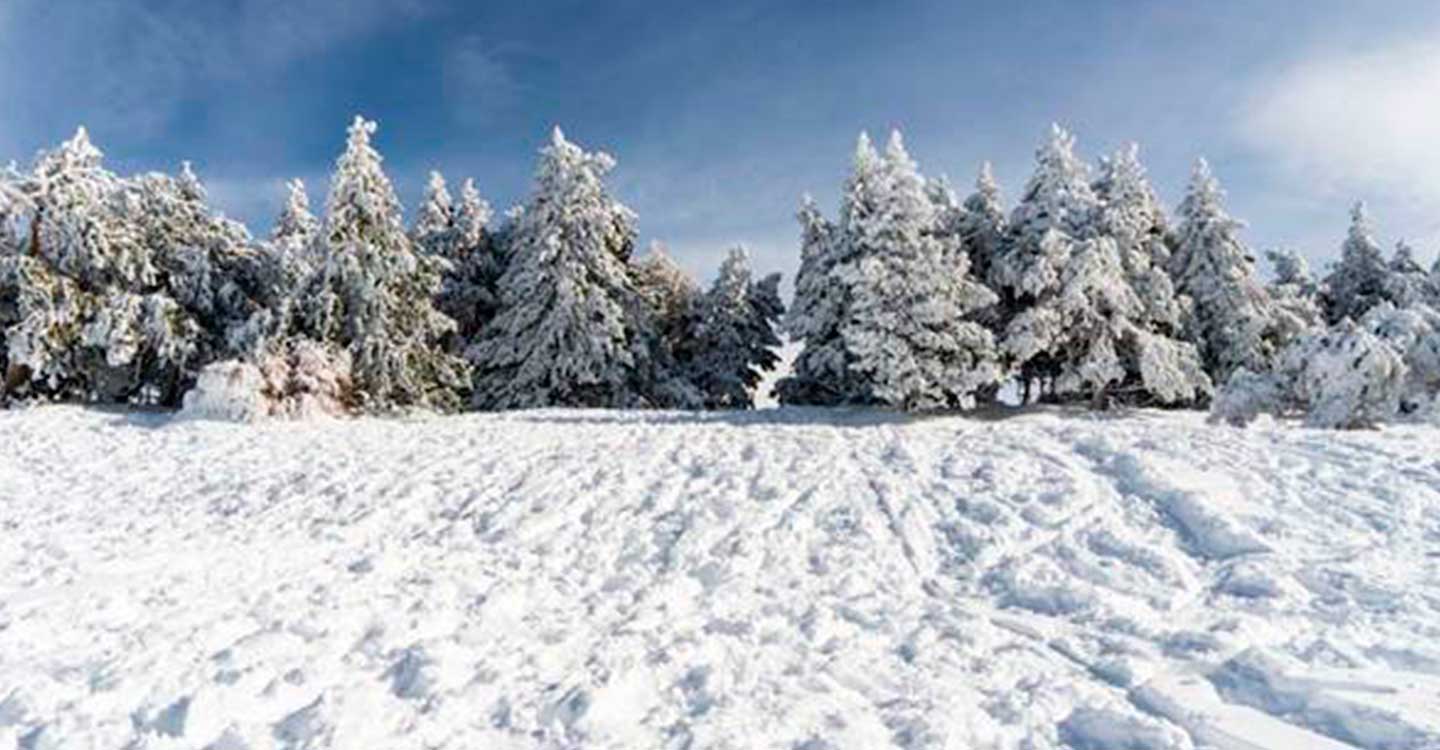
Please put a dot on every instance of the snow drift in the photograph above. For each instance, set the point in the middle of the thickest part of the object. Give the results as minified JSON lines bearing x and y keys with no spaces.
{"x":783,"y":578}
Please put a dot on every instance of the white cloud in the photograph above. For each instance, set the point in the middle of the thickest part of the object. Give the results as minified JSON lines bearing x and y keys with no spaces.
{"x":478,"y":82}
{"x":1354,"y":124}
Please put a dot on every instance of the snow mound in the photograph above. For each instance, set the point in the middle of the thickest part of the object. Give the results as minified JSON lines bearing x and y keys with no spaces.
{"x":302,"y":380}
{"x":782,"y":578}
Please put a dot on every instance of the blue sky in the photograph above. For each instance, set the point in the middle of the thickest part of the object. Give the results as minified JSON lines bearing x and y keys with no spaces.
{"x":722,"y":114}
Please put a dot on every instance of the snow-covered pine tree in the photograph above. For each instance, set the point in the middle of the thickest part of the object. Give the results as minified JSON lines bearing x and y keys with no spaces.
{"x":296,"y":225}
{"x":983,"y":224}
{"x":1295,"y":294}
{"x":1086,"y":312}
{"x":12,"y":211}
{"x":1233,"y":323}
{"x":209,"y":266}
{"x":372,"y":295}
{"x":468,"y":293}
{"x":1131,"y":214}
{"x":434,"y":228}
{"x":572,"y":329}
{"x":673,"y":297}
{"x":124,"y":287}
{"x":472,"y":218}
{"x":1358,"y":281}
{"x":293,"y":247}
{"x":733,"y":336}
{"x":1055,"y":214}
{"x":909,"y":323}
{"x":1160,"y":365}
{"x":891,"y":320}
{"x":65,"y":205}
{"x":813,"y":320}
{"x":1406,"y":282}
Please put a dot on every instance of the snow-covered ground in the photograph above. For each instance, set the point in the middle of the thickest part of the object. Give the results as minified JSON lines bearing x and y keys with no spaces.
{"x":804,"y":580}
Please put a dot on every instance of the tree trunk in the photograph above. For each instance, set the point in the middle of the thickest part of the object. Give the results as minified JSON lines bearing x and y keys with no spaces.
{"x":1100,"y":401}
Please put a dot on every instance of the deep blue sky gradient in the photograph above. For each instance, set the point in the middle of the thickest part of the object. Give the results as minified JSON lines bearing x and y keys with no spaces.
{"x":721,"y":114}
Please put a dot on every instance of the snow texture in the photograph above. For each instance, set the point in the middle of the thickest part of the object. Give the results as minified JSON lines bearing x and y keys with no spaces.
{"x":785,"y":578}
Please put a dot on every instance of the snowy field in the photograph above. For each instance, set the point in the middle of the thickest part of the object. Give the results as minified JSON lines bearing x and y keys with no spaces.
{"x":792,"y":579}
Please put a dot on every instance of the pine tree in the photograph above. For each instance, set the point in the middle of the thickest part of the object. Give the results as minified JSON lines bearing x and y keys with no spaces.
{"x":1055,"y":215}
{"x":1357,"y":282}
{"x":434,"y":228}
{"x":1234,"y":316}
{"x":122,"y":288}
{"x":902,"y":331}
{"x":1295,"y":294}
{"x":572,"y":329}
{"x":468,"y":293}
{"x":1160,"y":366}
{"x":983,"y":224}
{"x":813,"y":320}
{"x":296,"y":228}
{"x":672,"y":296}
{"x":908,"y":324}
{"x":293,"y":246}
{"x":1406,"y":282}
{"x":52,"y":288}
{"x":734,"y":334}
{"x":372,"y":294}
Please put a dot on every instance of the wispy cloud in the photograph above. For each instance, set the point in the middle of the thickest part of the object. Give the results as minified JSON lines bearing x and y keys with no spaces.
{"x":479,"y":84}
{"x":1343,"y":122}
{"x":133,"y":66}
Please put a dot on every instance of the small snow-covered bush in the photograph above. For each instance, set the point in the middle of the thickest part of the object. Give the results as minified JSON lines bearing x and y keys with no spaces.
{"x":1346,"y":378}
{"x":1249,"y":394}
{"x":229,"y":391}
{"x":300,"y":380}
{"x":1414,"y":334}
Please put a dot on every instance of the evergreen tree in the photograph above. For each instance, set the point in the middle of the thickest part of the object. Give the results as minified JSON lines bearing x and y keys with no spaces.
{"x":294,"y":246}
{"x":909,"y":323}
{"x":983,"y":224}
{"x":1406,"y":282}
{"x":372,"y":294}
{"x":123,"y":288}
{"x":12,"y":202}
{"x":295,"y":225}
{"x":903,"y":332}
{"x":1085,"y":310}
{"x":1160,"y":366}
{"x":820,"y":369}
{"x":468,"y":293}
{"x":1234,"y":316}
{"x":572,"y":329}
{"x":673,"y":298}
{"x":1345,"y":377}
{"x":434,"y":229}
{"x":1358,"y":281}
{"x":1295,"y":294}
{"x":1055,"y":215}
{"x":734,"y":334}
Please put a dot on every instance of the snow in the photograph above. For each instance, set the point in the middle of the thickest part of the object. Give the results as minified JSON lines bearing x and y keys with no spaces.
{"x":782,"y":578}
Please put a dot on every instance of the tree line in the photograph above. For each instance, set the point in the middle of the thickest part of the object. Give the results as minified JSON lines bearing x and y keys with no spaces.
{"x":129,"y":289}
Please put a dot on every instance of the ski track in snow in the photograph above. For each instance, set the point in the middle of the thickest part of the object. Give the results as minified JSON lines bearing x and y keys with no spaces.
{"x":795,"y":579}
